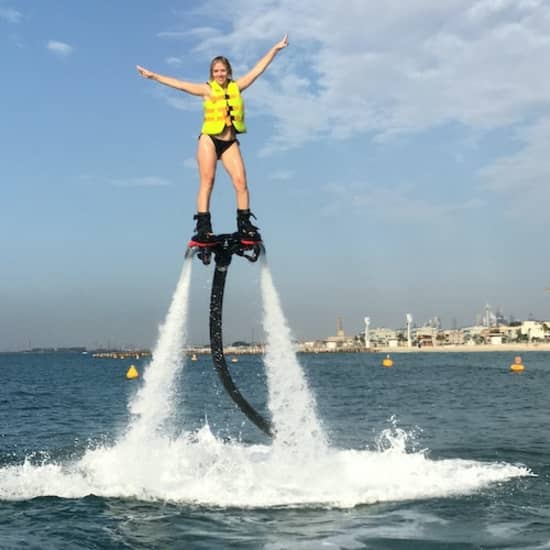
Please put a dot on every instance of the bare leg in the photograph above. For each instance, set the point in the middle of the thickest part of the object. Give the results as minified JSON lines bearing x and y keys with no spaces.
{"x":206,"y":159}
{"x":233,"y":163}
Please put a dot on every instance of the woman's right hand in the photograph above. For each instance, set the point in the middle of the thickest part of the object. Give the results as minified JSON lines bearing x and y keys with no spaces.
{"x":144,"y":72}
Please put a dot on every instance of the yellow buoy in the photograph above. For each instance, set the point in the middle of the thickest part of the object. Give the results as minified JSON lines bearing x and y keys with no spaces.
{"x":387,"y":362}
{"x":132,"y":373}
{"x":517,"y":366}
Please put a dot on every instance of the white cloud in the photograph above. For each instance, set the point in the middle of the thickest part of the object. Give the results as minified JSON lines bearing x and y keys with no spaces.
{"x":282,"y":175}
{"x":197,"y":33}
{"x":180,"y":101}
{"x":10,"y":15}
{"x":172,"y":35}
{"x":398,"y":68}
{"x":393,"y":204}
{"x":147,"y":181}
{"x":524,"y":177}
{"x":485,"y":8}
{"x":173,"y":60}
{"x":60,"y":48}
{"x":391,"y":68}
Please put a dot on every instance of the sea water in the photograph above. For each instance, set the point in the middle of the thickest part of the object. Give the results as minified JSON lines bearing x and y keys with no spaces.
{"x":441,"y":450}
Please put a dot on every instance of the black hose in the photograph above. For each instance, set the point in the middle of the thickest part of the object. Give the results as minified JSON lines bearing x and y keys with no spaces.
{"x":216,"y":346}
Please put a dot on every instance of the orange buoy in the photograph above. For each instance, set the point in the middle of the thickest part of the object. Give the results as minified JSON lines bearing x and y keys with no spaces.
{"x":387,"y":362}
{"x":517,"y":366}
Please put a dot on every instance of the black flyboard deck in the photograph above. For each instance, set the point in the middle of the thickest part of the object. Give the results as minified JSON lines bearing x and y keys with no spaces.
{"x":222,"y":247}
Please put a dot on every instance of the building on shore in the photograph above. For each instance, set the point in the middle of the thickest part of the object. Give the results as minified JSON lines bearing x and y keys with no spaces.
{"x":429,"y":337}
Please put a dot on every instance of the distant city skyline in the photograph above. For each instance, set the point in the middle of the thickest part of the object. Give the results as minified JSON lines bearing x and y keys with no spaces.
{"x":397,"y":158}
{"x":339,"y":324}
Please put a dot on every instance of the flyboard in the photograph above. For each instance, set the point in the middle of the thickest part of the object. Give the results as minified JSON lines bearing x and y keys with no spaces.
{"x":222,"y":248}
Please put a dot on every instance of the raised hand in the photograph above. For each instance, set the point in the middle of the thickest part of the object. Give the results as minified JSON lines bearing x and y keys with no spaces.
{"x":145,"y":73}
{"x":282,"y":44}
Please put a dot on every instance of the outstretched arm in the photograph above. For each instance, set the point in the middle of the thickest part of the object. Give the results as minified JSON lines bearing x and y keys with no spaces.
{"x":192,"y":88}
{"x":246,"y":80}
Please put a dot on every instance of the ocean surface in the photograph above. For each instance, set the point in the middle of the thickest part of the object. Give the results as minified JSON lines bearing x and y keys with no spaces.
{"x":442,"y":450}
{"x":439,"y":451}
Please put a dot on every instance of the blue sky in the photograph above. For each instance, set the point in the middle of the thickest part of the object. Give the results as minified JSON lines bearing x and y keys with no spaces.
{"x":397,"y":156}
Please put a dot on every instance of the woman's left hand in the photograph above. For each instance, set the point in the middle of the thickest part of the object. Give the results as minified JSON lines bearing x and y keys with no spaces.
{"x":282,"y":44}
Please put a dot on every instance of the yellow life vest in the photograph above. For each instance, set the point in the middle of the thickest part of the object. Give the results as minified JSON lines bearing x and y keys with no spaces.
{"x":223,"y":108}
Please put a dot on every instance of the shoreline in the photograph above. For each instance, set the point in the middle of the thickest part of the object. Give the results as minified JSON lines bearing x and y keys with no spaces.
{"x":259,"y":350}
{"x":468,"y":349}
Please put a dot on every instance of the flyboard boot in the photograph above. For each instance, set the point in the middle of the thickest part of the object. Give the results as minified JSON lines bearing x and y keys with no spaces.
{"x":203,"y":237}
{"x":248,"y":233}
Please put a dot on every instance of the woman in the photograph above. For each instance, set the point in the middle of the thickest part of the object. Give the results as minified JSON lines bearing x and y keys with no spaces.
{"x":223,"y":120}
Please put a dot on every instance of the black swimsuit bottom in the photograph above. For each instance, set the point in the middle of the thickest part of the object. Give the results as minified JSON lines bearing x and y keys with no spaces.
{"x":221,"y":145}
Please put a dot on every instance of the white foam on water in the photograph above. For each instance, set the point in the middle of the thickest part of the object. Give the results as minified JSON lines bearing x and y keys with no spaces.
{"x":298,"y":469}
{"x":202,"y":469}
{"x":291,"y":403}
